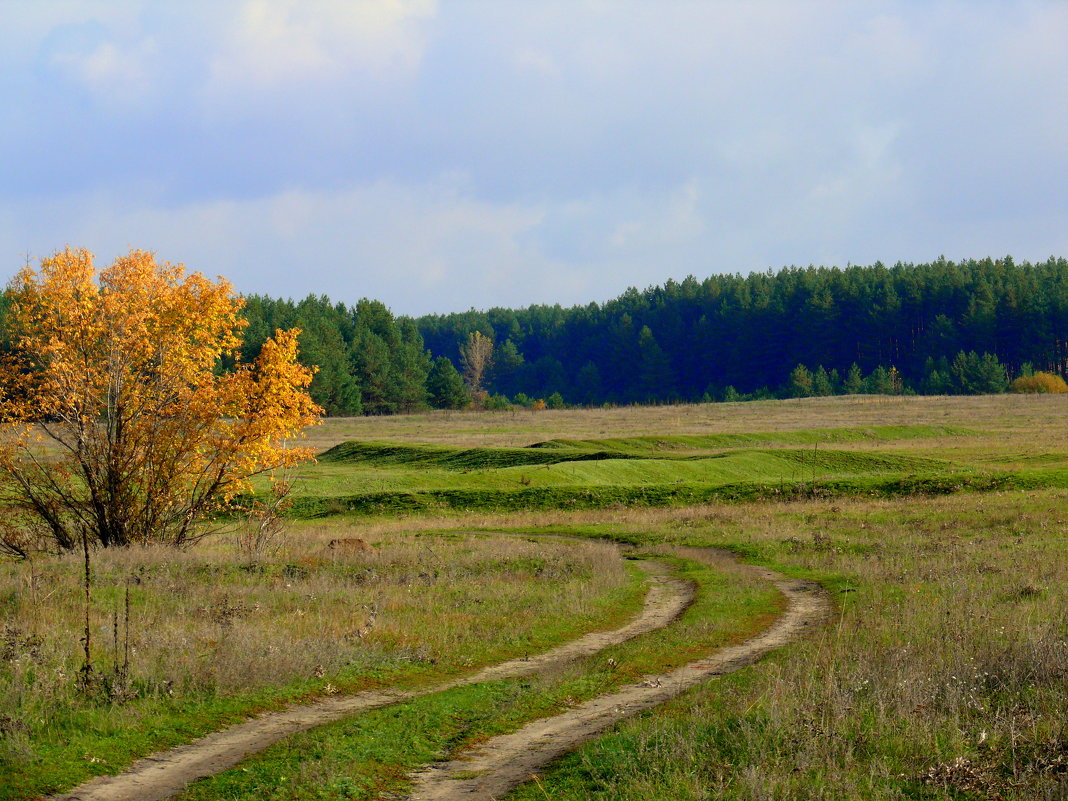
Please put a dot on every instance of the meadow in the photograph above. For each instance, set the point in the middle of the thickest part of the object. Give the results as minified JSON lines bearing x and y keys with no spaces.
{"x":211,"y":636}
{"x":944,"y":675}
{"x":683,"y":455}
{"x":939,"y":525}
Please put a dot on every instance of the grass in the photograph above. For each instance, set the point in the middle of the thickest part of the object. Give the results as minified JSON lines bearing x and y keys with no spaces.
{"x":687,"y":464}
{"x":945,"y":676}
{"x":704,"y":443}
{"x":214,"y":637}
{"x":940,"y":524}
{"x":371,"y":755}
{"x":1024,"y":422}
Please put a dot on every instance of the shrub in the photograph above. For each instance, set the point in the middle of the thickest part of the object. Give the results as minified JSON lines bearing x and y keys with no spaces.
{"x":497,"y":403}
{"x":1039,"y":383}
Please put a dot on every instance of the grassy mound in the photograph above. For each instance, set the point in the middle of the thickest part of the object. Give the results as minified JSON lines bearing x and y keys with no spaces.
{"x":379,"y":477}
{"x":392,"y":454}
{"x":608,"y":497}
{"x":413,"y":455}
{"x":812,"y":436}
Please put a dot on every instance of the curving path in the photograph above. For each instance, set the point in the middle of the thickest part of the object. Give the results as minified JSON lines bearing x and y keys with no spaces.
{"x":500,"y":764}
{"x":165,"y":774}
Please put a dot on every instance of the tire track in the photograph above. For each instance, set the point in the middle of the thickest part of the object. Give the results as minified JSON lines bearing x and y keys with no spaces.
{"x":165,"y":774}
{"x":494,"y":767}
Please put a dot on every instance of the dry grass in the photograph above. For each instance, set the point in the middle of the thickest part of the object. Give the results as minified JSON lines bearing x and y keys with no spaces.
{"x":1030,"y":416}
{"x":206,"y":624}
{"x":945,"y":675}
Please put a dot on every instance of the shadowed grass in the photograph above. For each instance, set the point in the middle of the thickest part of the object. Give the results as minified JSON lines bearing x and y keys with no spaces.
{"x":711,"y":442}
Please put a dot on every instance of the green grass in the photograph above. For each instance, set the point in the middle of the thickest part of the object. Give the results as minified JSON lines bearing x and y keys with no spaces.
{"x":944,"y":676}
{"x":393,"y":477}
{"x":710,"y":442}
{"x":381,"y":478}
{"x":736,"y":466}
{"x":372,"y":753}
{"x":215,"y":639}
{"x":385,"y":454}
{"x":461,"y":501}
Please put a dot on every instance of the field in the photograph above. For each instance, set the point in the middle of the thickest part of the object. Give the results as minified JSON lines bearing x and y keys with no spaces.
{"x":938,"y":526}
{"x":684,"y":455}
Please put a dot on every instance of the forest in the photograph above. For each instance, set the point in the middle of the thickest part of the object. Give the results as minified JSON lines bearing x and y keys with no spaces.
{"x":943,"y":327}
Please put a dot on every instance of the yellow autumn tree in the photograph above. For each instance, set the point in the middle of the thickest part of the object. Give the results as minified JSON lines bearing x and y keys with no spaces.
{"x":119,"y":423}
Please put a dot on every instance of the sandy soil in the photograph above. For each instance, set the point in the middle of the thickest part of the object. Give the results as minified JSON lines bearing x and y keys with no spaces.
{"x":500,"y":764}
{"x":165,"y":774}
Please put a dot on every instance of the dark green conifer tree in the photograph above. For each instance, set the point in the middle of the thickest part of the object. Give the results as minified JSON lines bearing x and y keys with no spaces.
{"x":445,"y":386}
{"x":588,"y":384}
{"x":854,"y":380}
{"x":655,"y":380}
{"x":801,"y":385}
{"x":821,"y":383}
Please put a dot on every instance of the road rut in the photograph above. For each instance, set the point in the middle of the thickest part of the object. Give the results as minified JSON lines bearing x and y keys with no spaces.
{"x":494,"y":767}
{"x":165,"y":774}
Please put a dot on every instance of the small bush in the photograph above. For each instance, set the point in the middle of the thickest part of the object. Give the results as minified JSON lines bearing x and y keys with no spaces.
{"x":497,"y":403}
{"x":1039,"y":383}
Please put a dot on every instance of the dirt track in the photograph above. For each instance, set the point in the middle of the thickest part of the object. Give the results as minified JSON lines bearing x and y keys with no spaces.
{"x":165,"y":774}
{"x":495,"y":767}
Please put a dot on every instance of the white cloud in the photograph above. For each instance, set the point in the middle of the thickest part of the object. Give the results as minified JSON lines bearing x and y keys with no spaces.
{"x":114,"y":73}
{"x":538,"y":61}
{"x":274,"y":43}
{"x":410,"y":245}
{"x":889,"y":48}
{"x":508,"y":153}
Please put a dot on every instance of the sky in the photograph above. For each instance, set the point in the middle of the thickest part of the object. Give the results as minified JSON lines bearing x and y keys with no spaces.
{"x":440,"y":156}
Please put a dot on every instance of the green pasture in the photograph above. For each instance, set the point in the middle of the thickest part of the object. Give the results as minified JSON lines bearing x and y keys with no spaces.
{"x":375,"y":477}
{"x":702,"y":443}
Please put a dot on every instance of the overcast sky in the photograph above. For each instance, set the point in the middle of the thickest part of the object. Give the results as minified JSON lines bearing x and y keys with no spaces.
{"x":442,"y":156}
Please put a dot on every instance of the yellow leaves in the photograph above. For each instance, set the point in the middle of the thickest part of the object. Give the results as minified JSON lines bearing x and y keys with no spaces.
{"x":271,"y":396}
{"x":121,"y":369}
{"x":1040,"y":382}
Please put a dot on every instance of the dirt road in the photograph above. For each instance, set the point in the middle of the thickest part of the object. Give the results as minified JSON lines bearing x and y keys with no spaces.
{"x":500,"y":764}
{"x":165,"y":774}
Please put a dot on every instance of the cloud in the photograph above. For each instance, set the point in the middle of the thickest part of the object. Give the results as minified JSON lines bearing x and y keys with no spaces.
{"x":283,"y":43}
{"x":678,"y":220}
{"x":116,"y":74}
{"x":409,"y":244}
{"x":507,"y":153}
{"x":528,"y":59}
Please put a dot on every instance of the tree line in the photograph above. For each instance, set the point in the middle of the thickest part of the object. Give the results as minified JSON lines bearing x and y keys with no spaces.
{"x":941,"y":327}
{"x":366,"y":360}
